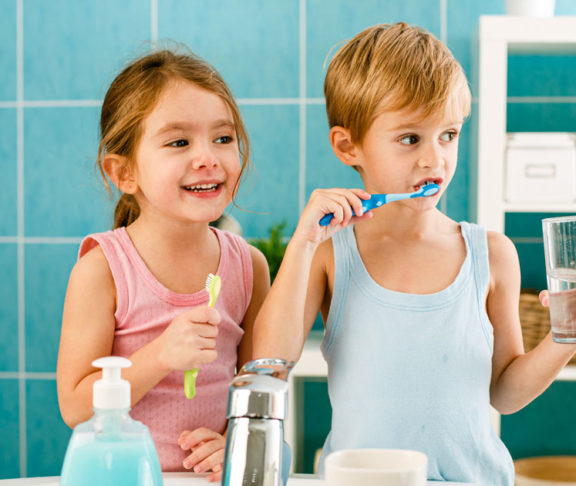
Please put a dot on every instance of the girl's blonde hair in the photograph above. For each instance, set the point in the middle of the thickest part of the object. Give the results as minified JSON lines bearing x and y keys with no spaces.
{"x":389,"y":68}
{"x":133,"y":95}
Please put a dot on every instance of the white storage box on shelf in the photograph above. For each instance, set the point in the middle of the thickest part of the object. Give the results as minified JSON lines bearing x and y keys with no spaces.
{"x":540,"y":167}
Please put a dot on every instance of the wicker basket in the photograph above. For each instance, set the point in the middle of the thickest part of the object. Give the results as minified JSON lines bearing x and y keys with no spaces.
{"x":546,"y":471}
{"x":535,"y":319}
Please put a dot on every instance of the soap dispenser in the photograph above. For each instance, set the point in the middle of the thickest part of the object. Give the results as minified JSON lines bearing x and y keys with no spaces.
{"x":111,"y":448}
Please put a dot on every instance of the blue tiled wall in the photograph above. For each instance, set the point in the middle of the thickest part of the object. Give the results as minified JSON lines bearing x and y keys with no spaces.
{"x":57,"y":58}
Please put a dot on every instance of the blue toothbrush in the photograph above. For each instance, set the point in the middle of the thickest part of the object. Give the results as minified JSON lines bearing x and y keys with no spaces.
{"x":377,"y":200}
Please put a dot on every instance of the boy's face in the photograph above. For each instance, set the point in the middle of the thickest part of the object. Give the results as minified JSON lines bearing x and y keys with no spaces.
{"x":401,"y":151}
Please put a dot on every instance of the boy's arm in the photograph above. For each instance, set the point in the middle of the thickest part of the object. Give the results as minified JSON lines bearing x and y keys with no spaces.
{"x":260,"y":288}
{"x":299,"y":288}
{"x":517,"y":378}
{"x":283,"y":322}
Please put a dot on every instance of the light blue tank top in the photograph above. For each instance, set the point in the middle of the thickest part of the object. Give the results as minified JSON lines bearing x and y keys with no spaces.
{"x":410,"y":371}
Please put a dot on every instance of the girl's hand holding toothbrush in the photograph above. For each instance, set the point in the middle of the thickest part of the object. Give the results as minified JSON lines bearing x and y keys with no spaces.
{"x":190,"y":339}
{"x":341,"y":203}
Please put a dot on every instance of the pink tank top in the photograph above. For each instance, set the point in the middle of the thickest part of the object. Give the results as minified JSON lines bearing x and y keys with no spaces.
{"x":145,"y":308}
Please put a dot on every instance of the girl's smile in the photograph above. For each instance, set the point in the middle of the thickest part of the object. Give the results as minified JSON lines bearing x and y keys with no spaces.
{"x":204,"y":189}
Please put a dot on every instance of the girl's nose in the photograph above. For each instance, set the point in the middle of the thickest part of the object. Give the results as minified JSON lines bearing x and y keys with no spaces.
{"x":204,"y":158}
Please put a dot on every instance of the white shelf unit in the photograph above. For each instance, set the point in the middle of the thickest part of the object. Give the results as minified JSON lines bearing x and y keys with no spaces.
{"x":498,"y":36}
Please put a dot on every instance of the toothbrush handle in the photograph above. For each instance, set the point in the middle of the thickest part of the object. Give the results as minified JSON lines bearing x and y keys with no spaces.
{"x":325,"y":221}
{"x":190,"y":382}
{"x":367,"y":205}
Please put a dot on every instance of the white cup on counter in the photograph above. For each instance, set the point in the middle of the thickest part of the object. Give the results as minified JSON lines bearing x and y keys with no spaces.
{"x":376,"y":467}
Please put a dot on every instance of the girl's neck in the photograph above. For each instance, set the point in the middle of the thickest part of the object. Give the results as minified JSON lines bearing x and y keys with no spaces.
{"x":169,"y":236}
{"x":179,"y":256}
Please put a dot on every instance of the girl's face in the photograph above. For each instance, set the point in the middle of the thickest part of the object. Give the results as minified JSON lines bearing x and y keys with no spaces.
{"x":187,"y":161}
{"x":401,"y":152}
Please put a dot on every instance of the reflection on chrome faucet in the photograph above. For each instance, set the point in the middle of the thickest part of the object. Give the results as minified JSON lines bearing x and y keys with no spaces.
{"x":256,"y":454}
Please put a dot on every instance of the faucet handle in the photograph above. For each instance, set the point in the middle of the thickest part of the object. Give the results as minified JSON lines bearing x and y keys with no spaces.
{"x":260,"y":390}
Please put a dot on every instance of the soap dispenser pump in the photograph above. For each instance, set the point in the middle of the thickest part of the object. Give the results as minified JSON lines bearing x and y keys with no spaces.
{"x":111,"y":448}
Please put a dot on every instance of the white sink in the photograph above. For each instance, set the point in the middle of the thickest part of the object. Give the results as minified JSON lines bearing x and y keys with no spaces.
{"x":170,"y":479}
{"x":188,"y":479}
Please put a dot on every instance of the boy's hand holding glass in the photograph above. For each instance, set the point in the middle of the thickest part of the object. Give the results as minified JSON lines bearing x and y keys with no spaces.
{"x":560,"y":252}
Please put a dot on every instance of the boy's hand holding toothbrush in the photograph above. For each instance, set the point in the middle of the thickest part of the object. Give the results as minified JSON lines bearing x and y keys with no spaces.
{"x":344,"y":204}
{"x":189,"y":340}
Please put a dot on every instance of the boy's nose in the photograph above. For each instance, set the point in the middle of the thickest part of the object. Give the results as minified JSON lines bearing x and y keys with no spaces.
{"x":431,"y":157}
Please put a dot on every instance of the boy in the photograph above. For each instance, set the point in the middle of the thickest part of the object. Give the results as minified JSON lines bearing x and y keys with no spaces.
{"x":421,"y":312}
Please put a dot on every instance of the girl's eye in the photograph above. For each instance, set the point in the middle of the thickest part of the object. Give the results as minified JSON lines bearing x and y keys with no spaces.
{"x":225,"y":139}
{"x":449,"y":136}
{"x":409,"y":139}
{"x":179,"y":143}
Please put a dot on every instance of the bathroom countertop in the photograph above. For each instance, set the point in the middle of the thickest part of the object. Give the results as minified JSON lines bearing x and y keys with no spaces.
{"x":185,"y":479}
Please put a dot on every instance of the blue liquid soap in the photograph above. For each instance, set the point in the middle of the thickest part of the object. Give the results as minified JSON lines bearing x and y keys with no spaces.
{"x":111,"y":449}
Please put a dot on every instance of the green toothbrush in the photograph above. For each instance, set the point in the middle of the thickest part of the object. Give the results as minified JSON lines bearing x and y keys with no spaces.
{"x":213,"y":284}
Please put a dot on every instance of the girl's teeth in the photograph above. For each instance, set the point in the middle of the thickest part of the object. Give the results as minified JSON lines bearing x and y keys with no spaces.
{"x":201,"y":187}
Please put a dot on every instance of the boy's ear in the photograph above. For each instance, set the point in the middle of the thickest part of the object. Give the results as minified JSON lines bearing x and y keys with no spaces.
{"x":343,"y":146}
{"x":120,"y":173}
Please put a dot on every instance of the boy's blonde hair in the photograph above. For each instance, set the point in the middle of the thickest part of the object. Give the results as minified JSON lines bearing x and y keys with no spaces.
{"x":133,"y":95}
{"x":389,"y":68}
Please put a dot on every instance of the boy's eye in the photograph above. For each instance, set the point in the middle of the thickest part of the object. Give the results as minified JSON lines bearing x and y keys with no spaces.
{"x":449,"y":136}
{"x":409,"y":139}
{"x":225,"y":139}
{"x":179,"y":143}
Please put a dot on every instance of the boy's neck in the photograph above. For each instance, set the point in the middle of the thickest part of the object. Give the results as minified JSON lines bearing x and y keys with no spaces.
{"x":403,"y":223}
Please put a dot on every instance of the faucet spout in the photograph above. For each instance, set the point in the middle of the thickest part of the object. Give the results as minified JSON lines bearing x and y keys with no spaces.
{"x":256,"y":453}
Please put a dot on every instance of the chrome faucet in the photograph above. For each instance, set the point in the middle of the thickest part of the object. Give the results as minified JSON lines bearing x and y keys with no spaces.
{"x":256,"y":454}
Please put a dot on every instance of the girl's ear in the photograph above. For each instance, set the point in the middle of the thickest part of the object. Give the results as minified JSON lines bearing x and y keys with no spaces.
{"x":343,"y":146}
{"x":119,"y":172}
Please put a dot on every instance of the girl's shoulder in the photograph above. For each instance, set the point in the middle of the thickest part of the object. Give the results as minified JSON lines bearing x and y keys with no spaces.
{"x":256,"y":257}
{"x":92,"y":260}
{"x":92,"y":270}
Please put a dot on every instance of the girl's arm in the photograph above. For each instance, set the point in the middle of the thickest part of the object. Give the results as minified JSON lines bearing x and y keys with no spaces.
{"x":517,"y":377}
{"x":299,"y":290}
{"x":88,"y":333}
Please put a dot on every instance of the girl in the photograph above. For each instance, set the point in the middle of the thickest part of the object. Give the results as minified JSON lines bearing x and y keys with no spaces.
{"x":171,"y":142}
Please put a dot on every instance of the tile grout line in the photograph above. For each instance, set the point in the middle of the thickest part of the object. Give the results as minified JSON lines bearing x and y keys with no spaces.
{"x":48,"y":240}
{"x":34,"y":375}
{"x":444,"y":21}
{"x":154,"y":23}
{"x":20,"y":230}
{"x":302,"y":108}
{"x":264,"y":101}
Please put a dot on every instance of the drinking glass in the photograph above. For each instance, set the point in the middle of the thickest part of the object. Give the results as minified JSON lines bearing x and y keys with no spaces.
{"x":560,"y":252}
